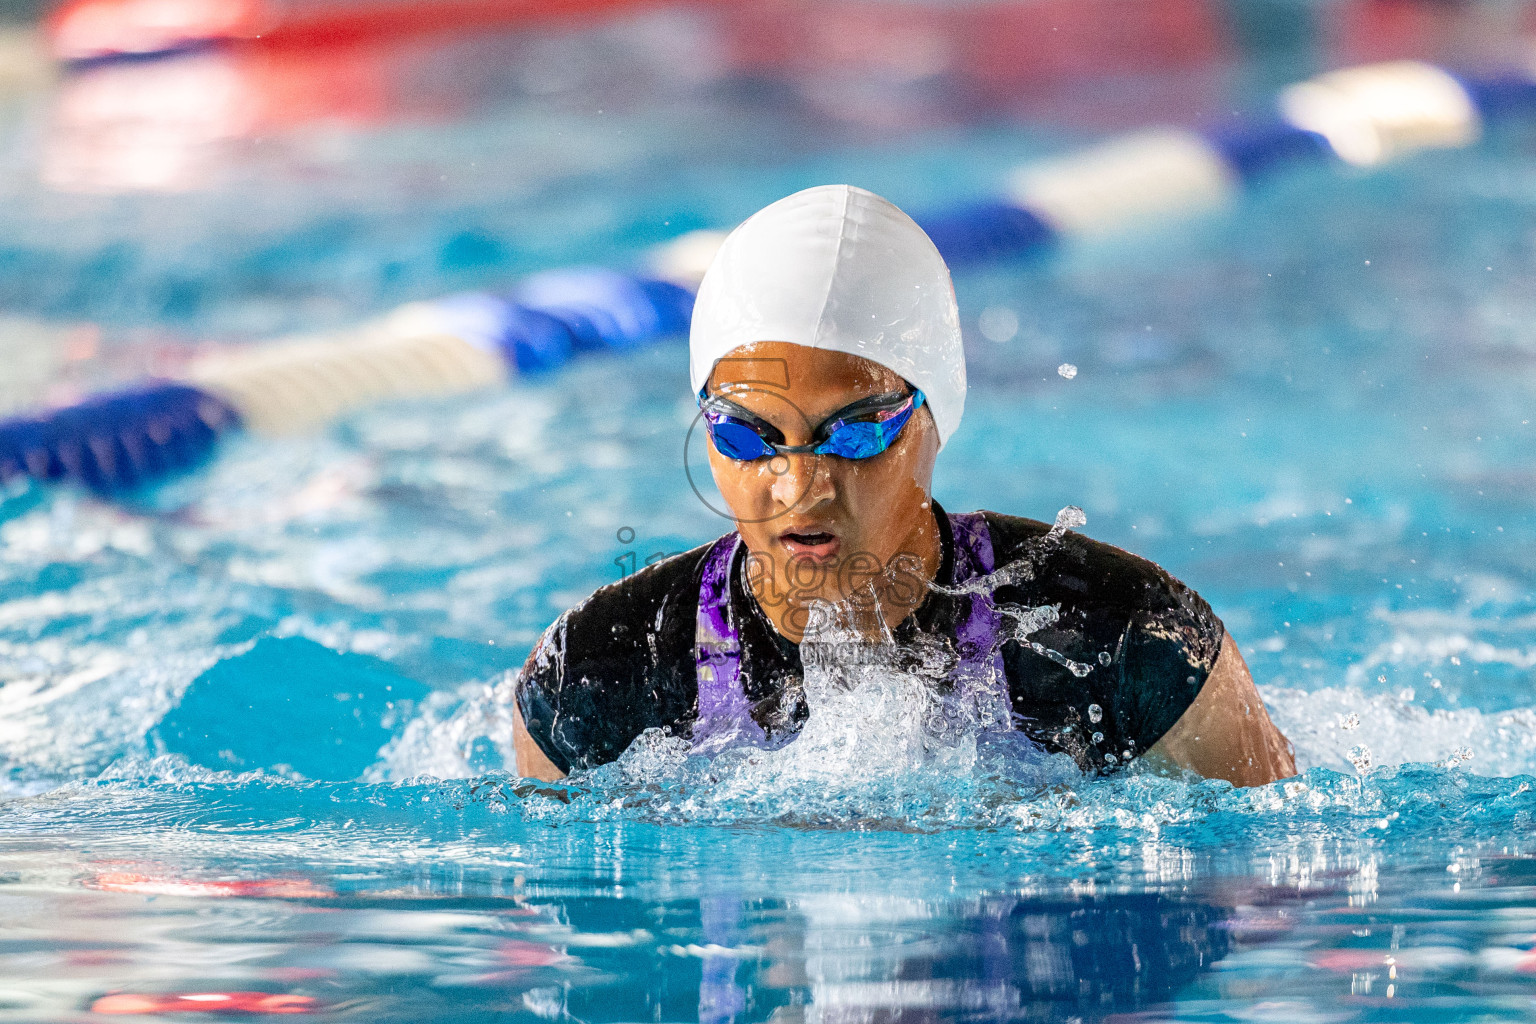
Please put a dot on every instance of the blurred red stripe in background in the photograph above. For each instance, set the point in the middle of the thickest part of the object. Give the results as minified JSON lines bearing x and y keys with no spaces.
{"x":83,"y":30}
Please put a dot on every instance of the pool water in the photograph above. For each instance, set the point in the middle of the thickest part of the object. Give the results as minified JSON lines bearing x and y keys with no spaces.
{"x":253,"y":756}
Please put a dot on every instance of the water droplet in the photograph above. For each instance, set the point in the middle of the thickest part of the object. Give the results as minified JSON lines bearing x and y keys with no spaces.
{"x":1104,"y":658}
{"x":1349,"y":722}
{"x":1095,"y":713}
{"x":1360,"y":756}
{"x":1067,"y":371}
{"x":1098,"y":737}
{"x":1110,"y":759}
{"x":1069,"y":518}
{"x":998,"y":324}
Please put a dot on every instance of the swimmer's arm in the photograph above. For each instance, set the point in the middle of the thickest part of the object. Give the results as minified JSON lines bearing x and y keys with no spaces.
{"x":1226,"y":733}
{"x":532,"y":763}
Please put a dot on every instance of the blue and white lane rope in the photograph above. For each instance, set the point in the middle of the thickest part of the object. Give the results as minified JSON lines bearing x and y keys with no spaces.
{"x":1363,"y":117}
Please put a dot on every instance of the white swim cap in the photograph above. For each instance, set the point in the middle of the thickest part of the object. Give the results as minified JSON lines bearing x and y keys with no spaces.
{"x":839,"y":268}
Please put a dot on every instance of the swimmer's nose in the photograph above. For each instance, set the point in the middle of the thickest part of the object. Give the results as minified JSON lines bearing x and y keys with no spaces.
{"x":801,"y":481}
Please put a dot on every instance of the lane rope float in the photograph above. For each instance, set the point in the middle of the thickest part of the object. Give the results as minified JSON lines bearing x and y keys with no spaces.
{"x":1360,"y":117}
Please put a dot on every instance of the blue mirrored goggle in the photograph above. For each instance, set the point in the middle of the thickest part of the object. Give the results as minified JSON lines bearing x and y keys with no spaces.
{"x":858,"y":431}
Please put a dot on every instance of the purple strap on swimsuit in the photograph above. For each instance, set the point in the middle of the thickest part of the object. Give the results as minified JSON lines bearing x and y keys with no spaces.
{"x":980,"y":673}
{"x":725,"y":713}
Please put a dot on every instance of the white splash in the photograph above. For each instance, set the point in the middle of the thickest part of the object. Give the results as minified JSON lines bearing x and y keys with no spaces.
{"x":1398,"y":732}
{"x":891,"y":739}
{"x":1459,"y":757}
{"x":452,"y":735}
{"x":1069,"y":518}
{"x":1021,"y":570}
{"x":1028,"y":621}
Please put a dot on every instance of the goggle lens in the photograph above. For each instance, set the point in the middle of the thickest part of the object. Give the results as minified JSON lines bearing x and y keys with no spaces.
{"x":736,"y":440}
{"x":855,"y":441}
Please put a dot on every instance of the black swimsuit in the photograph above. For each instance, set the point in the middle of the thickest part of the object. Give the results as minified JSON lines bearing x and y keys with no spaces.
{"x":623,"y":661}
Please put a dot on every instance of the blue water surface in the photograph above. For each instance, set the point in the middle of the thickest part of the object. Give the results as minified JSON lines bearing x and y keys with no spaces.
{"x":251,"y":734}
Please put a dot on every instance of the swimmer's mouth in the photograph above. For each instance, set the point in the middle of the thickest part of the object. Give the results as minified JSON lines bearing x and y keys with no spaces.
{"x":817,"y":545}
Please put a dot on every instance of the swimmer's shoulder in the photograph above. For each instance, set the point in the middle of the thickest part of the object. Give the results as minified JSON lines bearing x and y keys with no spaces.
{"x":1079,"y":569}
{"x":629,"y":617}
{"x":1147,"y":641}
{"x":614,"y":665}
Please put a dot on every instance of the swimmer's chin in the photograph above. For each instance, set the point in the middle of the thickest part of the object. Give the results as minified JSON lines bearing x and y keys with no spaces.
{"x":811,"y":545}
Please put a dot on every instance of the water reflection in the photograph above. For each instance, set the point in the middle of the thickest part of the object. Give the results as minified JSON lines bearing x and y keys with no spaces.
{"x":141,"y":942}
{"x":146,"y":940}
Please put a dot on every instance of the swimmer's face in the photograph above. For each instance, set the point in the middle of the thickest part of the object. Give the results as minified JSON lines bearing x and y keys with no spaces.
{"x":820,"y":526}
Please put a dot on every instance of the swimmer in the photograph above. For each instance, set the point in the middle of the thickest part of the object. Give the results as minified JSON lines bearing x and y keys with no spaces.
{"x":826,"y":359}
